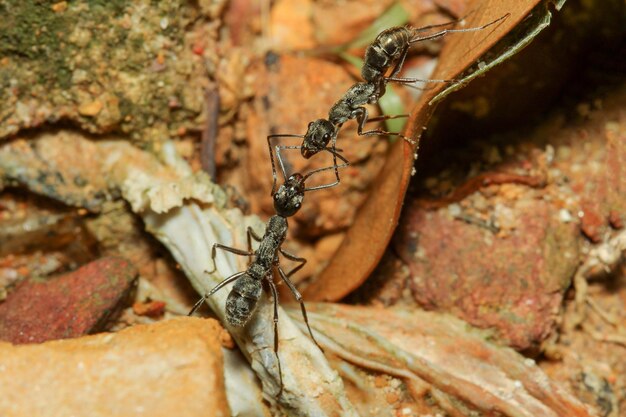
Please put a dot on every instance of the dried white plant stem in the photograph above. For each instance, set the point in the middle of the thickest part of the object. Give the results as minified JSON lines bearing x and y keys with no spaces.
{"x":187,"y":213}
{"x":311,"y":386}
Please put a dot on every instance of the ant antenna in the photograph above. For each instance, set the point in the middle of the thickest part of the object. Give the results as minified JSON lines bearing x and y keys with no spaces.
{"x":269,"y":145}
{"x":316,"y":171}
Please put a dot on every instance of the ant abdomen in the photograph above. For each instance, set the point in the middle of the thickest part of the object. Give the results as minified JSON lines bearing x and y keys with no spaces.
{"x":242,"y":300}
{"x":388,"y":46}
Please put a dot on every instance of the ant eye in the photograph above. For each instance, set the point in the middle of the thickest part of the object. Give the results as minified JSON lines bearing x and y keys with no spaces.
{"x":298,"y":205}
{"x":326,"y":136}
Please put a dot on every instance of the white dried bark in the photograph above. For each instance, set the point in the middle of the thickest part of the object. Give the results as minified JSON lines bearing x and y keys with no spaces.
{"x":188,"y":221}
{"x":187,"y":213}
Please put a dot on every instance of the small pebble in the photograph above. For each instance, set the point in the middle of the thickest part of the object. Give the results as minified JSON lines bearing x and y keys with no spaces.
{"x":90,"y":109}
{"x":565,"y":216}
{"x":59,"y":7}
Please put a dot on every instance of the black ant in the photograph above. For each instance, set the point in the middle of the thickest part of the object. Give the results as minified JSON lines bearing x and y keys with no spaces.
{"x":244,"y":296}
{"x":389,"y":48}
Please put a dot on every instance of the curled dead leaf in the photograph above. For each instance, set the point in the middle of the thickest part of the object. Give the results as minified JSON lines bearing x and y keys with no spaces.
{"x":377,"y":218}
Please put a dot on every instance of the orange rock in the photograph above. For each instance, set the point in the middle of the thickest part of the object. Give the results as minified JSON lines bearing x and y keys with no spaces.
{"x":380,"y":381}
{"x":392,"y":397}
{"x":173,"y":367}
{"x":226,"y":339}
{"x":59,"y":7}
{"x":90,"y":109}
{"x":291,"y":25}
{"x":149,"y":308}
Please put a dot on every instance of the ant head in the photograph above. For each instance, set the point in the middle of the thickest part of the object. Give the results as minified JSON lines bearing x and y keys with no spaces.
{"x":288,"y":198}
{"x":318,"y":135}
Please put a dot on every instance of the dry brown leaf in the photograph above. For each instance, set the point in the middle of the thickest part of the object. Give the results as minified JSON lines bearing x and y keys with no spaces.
{"x":376,"y":220}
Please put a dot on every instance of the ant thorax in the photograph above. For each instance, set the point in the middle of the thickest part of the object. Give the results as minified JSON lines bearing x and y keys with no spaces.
{"x":275,"y":235}
{"x":277,"y":227}
{"x":356,"y":96}
{"x":257,"y":271}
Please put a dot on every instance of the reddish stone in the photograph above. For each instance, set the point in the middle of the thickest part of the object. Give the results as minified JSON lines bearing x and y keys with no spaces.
{"x":512,"y":282}
{"x":596,"y":170}
{"x":71,"y":305}
{"x":592,"y":224}
{"x":616,"y":220}
{"x":615,"y":173}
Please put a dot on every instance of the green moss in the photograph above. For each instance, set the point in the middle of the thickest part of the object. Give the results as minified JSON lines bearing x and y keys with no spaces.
{"x":125,"y":106}
{"x":119,"y":35}
{"x":36,"y":33}
{"x":108,"y":7}
{"x":136,"y":43}
{"x":89,"y":43}
{"x":32,"y":30}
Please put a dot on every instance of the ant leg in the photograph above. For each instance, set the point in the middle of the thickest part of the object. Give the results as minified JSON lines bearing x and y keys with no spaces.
{"x":335,"y":166}
{"x":280,"y":371}
{"x":401,"y":80}
{"x":269,"y":145}
{"x":227,"y":249}
{"x":440,"y":25}
{"x":251,"y":234}
{"x":361,"y":116}
{"x":294,"y":258}
{"x":321,"y":187}
{"x":254,"y":235}
{"x":214,"y":290}
{"x":435,"y":35}
{"x":333,"y":150}
{"x":386,"y":117}
{"x":298,"y":297}
{"x":400,"y":63}
{"x":446,"y":31}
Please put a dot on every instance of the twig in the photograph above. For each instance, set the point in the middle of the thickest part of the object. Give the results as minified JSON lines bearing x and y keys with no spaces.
{"x":483,"y":180}
{"x":209,"y":134}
